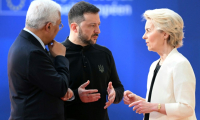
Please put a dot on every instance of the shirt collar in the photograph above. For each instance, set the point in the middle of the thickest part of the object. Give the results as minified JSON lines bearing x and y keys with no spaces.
{"x":35,"y":37}
{"x":67,"y":43}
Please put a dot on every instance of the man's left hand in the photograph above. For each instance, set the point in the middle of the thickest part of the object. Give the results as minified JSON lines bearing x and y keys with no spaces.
{"x":111,"y":95}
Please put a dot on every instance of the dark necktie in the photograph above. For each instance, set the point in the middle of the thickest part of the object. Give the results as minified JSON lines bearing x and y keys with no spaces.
{"x":46,"y":51}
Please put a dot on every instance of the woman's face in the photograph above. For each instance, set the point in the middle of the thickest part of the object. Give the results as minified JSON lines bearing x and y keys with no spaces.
{"x":154,"y":38}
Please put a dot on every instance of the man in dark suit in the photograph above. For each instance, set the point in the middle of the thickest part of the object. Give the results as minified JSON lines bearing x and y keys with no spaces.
{"x":37,"y":85}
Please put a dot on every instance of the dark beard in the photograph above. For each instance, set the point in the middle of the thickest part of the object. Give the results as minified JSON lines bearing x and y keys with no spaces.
{"x":84,"y":38}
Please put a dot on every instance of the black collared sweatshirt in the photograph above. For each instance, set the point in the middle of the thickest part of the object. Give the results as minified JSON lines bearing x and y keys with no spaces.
{"x":94,"y":63}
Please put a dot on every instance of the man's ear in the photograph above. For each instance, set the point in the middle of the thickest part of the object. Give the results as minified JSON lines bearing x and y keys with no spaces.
{"x":48,"y":26}
{"x":74,"y":27}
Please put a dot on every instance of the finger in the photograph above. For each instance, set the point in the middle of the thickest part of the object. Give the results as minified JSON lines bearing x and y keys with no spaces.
{"x":110,"y":101}
{"x":126,"y":98}
{"x":93,"y":99}
{"x":93,"y":95}
{"x":50,"y":46}
{"x":134,"y":103}
{"x":68,"y":93}
{"x":127,"y":102}
{"x":91,"y":91}
{"x":127,"y":92}
{"x":110,"y":94}
{"x":64,"y":99}
{"x":84,"y":85}
{"x":130,"y":95}
{"x":110,"y":85}
{"x":139,"y":110}
{"x":107,"y":104}
{"x":72,"y":94}
{"x":135,"y":108}
{"x":52,"y":42}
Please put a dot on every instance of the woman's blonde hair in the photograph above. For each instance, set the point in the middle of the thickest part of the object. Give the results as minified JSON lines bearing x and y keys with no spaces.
{"x":168,"y":21}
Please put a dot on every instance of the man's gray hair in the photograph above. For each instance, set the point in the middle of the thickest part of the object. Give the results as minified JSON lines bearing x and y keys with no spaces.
{"x":41,"y":12}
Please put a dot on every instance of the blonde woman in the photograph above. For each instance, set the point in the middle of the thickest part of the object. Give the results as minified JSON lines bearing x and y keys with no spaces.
{"x":171,"y":80}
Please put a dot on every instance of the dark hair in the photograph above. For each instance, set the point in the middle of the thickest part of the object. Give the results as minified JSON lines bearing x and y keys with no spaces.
{"x":76,"y":12}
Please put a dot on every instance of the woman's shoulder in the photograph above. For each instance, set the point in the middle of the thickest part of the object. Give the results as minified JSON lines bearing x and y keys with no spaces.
{"x":177,"y":57}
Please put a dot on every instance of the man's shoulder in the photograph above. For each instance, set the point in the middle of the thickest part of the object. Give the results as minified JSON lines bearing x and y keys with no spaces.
{"x":66,"y":43}
{"x":102,"y":48}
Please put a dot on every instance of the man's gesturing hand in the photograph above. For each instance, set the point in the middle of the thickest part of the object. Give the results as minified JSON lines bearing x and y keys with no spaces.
{"x":111,"y":95}
{"x":89,"y":95}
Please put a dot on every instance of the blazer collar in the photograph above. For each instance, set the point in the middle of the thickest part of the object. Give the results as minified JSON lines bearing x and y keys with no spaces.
{"x":41,"y":42}
{"x":169,"y":56}
{"x":167,"y":59}
{"x":31,"y":38}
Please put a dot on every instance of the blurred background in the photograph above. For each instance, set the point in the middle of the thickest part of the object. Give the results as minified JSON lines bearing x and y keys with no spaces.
{"x":122,"y":29}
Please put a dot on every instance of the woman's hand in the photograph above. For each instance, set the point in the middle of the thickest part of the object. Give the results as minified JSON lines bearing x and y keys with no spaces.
{"x":129,"y":97}
{"x":143,"y":106}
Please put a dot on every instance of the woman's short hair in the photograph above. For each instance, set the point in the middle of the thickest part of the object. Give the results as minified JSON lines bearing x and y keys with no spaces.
{"x":41,"y":12}
{"x":168,"y":21}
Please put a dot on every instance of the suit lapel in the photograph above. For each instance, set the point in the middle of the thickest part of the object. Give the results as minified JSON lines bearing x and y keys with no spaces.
{"x":169,"y":57}
{"x":166,"y":64}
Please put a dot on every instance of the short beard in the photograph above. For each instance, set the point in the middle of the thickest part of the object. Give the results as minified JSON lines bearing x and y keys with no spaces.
{"x":84,"y":38}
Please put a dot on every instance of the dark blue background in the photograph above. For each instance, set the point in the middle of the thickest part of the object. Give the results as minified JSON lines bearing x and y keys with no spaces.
{"x":122,"y":34}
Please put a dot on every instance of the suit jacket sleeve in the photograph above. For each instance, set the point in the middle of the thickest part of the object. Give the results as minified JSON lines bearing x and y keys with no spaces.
{"x":50,"y":78}
{"x":184,"y":92}
{"x":119,"y":89}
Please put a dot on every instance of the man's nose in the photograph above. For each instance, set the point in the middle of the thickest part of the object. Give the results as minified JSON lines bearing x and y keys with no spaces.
{"x":97,"y":30}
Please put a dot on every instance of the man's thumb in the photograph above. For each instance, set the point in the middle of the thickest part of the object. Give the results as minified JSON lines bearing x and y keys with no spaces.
{"x":84,"y":85}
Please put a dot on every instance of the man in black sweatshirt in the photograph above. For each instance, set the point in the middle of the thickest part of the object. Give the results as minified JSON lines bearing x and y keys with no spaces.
{"x":93,"y":75}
